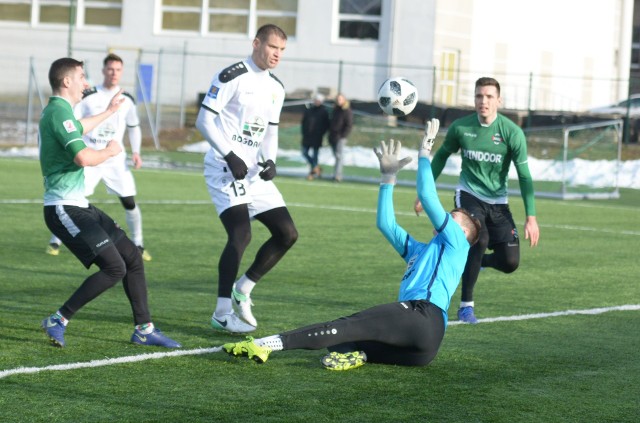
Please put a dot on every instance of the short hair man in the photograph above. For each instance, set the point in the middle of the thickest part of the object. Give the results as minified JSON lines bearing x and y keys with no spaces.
{"x":90,"y":234}
{"x":239,"y":118}
{"x":489,"y":142}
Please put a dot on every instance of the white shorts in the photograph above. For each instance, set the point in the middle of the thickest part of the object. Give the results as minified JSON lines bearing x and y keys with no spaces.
{"x":116,"y":176}
{"x":225,"y":192}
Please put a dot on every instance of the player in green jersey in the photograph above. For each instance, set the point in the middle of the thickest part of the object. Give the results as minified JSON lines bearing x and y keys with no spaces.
{"x":488,"y":143}
{"x":89,"y":233}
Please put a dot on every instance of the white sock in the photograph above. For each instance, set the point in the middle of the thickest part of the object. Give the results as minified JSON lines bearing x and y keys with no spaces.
{"x":55,"y":240}
{"x":223,"y":306}
{"x":145,"y":328}
{"x":63,"y":319}
{"x":134,"y":222}
{"x":466,"y":304}
{"x":274,"y":342}
{"x":244,"y":285}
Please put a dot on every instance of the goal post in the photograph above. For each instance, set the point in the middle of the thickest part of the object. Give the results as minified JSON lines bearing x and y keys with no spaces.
{"x":577,"y":161}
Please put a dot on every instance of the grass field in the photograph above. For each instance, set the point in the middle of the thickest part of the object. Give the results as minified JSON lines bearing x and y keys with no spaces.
{"x":555,"y":368}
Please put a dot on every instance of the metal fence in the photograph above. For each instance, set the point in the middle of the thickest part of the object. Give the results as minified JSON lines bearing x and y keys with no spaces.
{"x":168,"y":84}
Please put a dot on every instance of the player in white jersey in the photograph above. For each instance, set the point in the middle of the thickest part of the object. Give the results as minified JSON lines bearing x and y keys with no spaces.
{"x":239,"y":117}
{"x":114,"y":172}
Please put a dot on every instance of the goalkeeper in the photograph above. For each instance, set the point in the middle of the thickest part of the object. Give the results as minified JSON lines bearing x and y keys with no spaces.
{"x":409,"y":331}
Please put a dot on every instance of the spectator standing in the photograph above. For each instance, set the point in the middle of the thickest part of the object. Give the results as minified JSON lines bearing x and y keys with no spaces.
{"x":315,"y":123}
{"x":339,"y":130}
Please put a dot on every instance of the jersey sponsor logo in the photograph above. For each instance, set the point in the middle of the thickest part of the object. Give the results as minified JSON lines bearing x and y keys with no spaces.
{"x":482,"y":156}
{"x":69,"y":126}
{"x":497,"y":139}
{"x":254,"y":129}
{"x":470,"y":135}
{"x":213,"y":92}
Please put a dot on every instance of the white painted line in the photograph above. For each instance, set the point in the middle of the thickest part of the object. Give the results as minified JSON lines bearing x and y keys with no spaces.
{"x":198,"y":351}
{"x":107,"y":362}
{"x":629,"y":307}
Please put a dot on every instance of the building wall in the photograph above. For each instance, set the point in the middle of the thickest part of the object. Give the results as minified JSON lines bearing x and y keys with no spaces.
{"x":574,"y":50}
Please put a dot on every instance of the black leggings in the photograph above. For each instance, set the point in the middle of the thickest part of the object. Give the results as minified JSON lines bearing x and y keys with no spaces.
{"x":121,"y":261}
{"x":498,"y":233}
{"x":238,"y":226}
{"x":407,"y":333}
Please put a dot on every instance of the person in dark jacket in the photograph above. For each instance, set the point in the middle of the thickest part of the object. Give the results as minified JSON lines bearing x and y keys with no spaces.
{"x":315,"y":123}
{"x":339,"y":130}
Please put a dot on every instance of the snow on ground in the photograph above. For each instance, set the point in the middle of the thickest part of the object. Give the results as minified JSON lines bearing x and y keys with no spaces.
{"x":595,"y":174}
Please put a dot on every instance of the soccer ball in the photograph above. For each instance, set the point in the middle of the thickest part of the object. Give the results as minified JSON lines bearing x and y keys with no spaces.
{"x":397,"y":96}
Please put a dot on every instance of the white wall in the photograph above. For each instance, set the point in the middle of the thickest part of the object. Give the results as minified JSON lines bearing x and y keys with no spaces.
{"x":568,"y":39}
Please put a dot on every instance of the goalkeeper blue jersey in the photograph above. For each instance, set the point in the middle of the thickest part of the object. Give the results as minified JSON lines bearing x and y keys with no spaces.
{"x":433,"y":269}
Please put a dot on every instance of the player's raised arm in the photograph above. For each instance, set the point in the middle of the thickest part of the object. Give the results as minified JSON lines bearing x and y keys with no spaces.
{"x":426,"y":185}
{"x":385,"y":219}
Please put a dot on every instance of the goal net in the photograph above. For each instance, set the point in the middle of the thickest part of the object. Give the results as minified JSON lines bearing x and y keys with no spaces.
{"x":576,"y":162}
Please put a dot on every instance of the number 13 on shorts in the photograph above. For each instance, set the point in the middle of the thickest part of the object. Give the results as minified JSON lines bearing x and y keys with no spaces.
{"x":236,"y":189}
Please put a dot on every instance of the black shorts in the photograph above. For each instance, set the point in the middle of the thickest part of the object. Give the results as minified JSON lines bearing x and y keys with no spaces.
{"x":496,"y":218}
{"x":84,"y":231}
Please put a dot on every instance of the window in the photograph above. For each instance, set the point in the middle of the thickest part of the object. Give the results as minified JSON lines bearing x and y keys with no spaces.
{"x":88,"y":13}
{"x":359,"y":19}
{"x":635,"y":48}
{"x":447,"y":76}
{"x":241,"y":17}
{"x":16,"y":11}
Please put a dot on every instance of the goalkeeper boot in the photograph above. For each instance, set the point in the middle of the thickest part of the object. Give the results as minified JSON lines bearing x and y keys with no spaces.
{"x":466,"y":315}
{"x":156,"y":338}
{"x":230,"y":323}
{"x":145,"y":254}
{"x":242,"y":306}
{"x":53,"y":249}
{"x":344,"y":361}
{"x":248,"y":348}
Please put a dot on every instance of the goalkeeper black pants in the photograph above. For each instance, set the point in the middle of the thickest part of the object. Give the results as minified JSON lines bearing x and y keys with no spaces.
{"x":406,"y":333}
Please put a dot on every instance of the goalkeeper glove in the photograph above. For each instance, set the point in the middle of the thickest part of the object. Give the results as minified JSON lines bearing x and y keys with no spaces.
{"x":389,"y":163}
{"x":269,"y":171}
{"x":430,"y":132}
{"x":237,"y":166}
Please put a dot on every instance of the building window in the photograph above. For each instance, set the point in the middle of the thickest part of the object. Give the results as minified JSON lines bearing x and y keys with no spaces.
{"x":359,"y":19}
{"x":635,"y":48}
{"x":88,"y":13}
{"x":448,"y":70}
{"x":241,"y":17}
{"x":15,"y":11}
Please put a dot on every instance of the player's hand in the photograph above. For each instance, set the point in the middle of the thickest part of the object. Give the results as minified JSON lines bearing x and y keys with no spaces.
{"x":531,"y":230}
{"x":430,"y":133}
{"x":116,"y":101}
{"x":417,"y":207}
{"x":137,"y":160}
{"x":113,"y":147}
{"x":389,"y":163}
{"x":269,"y":170}
{"x":236,"y":165}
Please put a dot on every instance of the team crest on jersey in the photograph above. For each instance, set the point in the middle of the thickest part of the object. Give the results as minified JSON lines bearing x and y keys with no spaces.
{"x":213,"y":92}
{"x":254,"y":129}
{"x":497,"y":139}
{"x":69,"y":126}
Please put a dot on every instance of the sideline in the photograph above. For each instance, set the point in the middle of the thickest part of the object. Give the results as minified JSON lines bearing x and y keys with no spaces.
{"x":200,"y":351}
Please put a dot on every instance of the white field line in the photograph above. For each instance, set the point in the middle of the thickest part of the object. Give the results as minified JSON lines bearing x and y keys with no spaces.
{"x":327,"y":207}
{"x":199,"y":351}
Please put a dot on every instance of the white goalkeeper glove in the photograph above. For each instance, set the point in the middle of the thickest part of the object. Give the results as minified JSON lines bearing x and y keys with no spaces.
{"x":389,"y":163}
{"x":430,"y":132}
